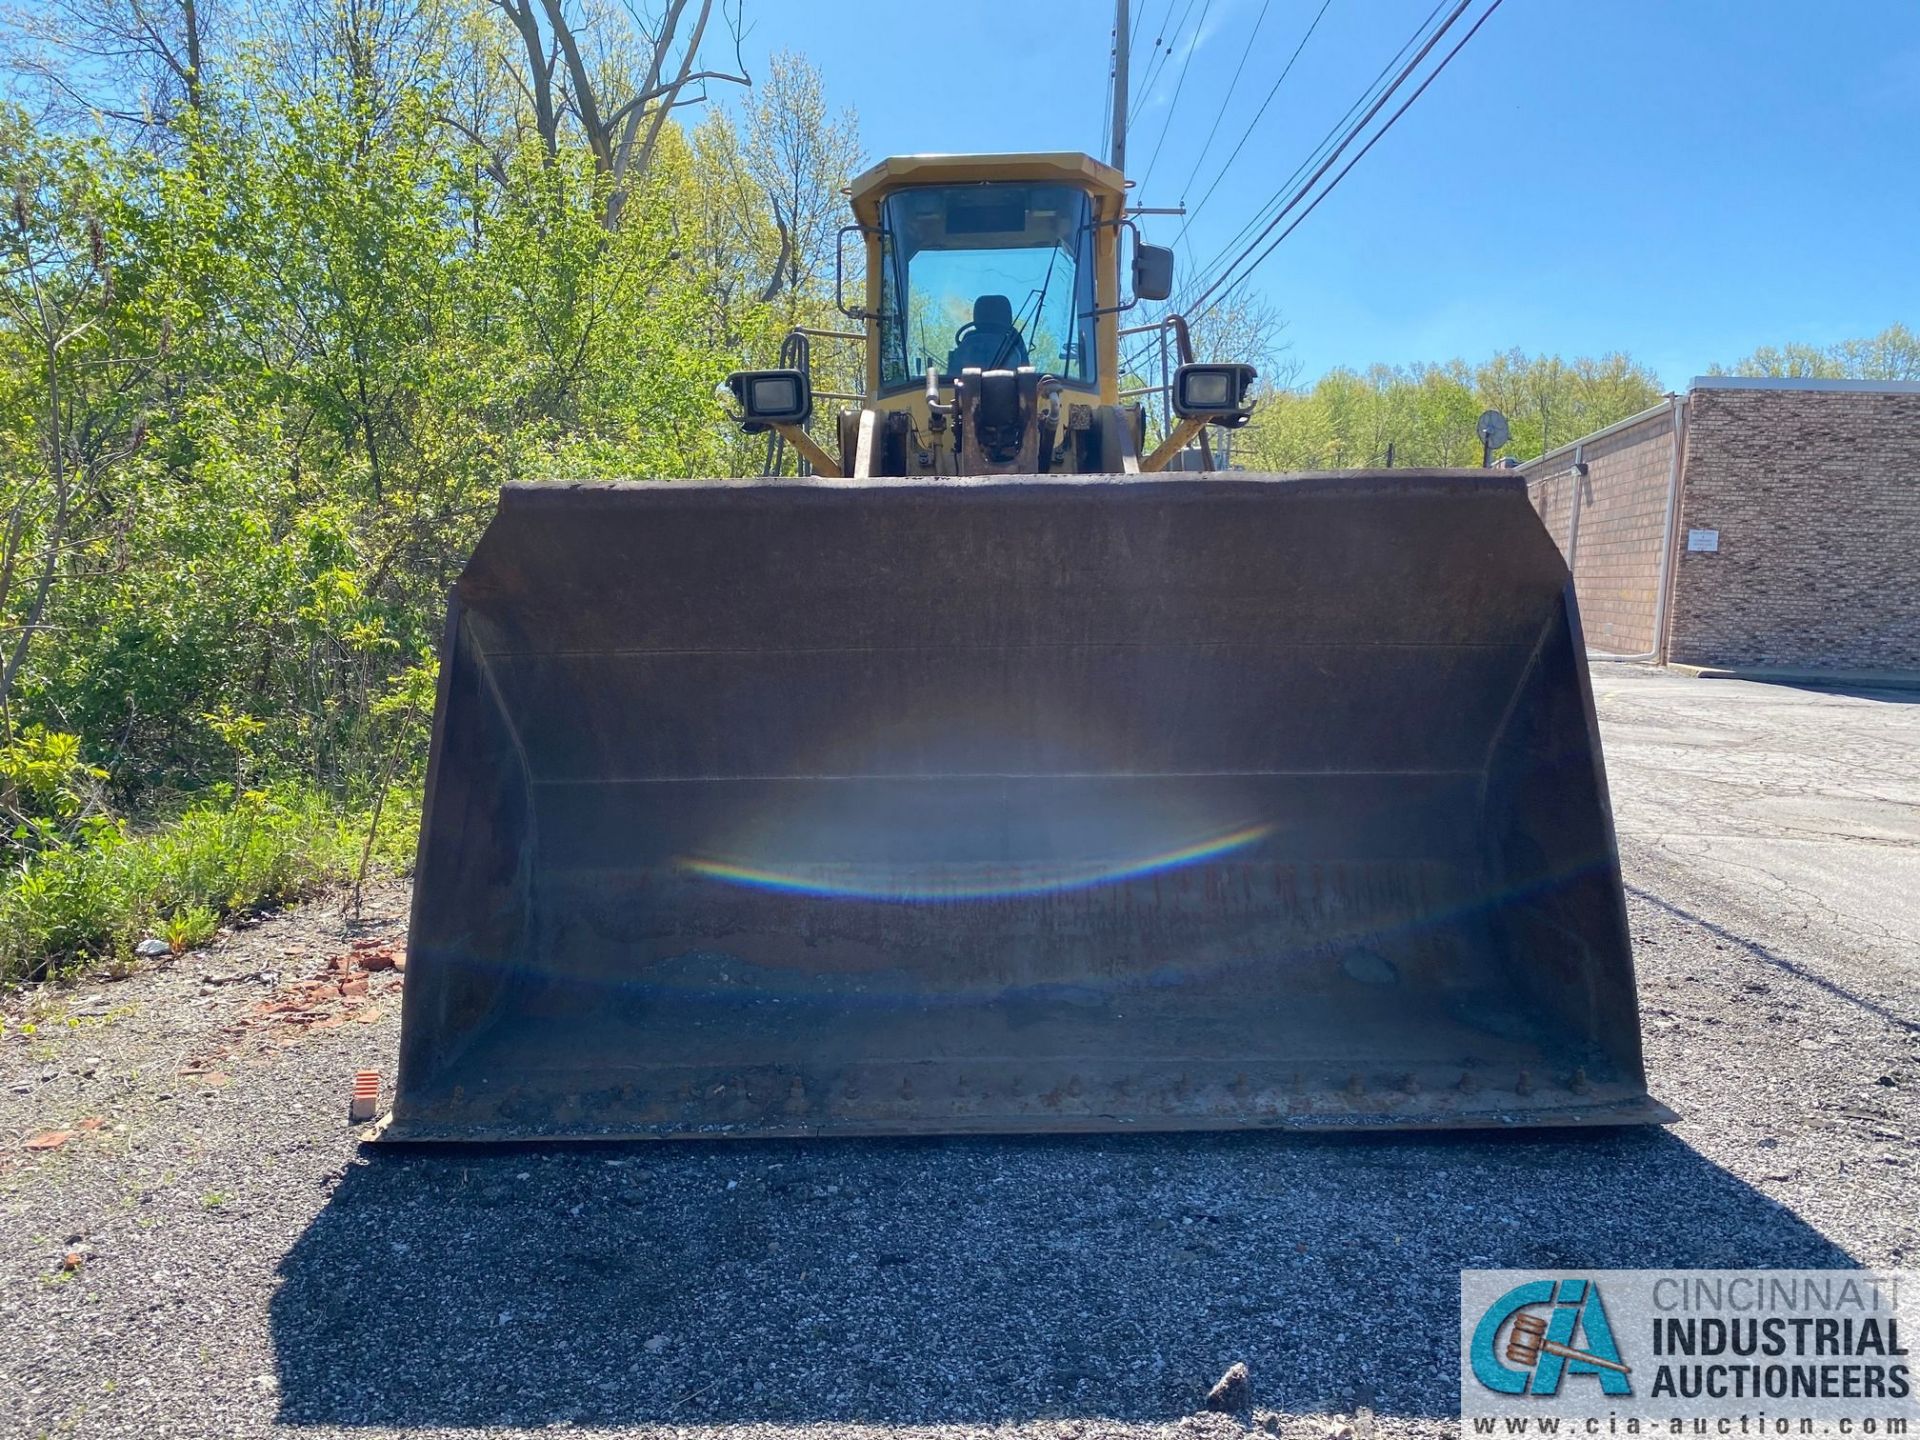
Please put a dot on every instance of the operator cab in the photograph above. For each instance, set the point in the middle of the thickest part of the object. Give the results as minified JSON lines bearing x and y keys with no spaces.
{"x":989,"y":330}
{"x":995,"y":275}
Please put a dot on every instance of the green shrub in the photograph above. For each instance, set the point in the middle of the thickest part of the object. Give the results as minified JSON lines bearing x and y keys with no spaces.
{"x":398,"y":832}
{"x":90,"y":899}
{"x":47,"y":791}
{"x":64,"y":904}
{"x":260,"y":848}
{"x":192,"y":927}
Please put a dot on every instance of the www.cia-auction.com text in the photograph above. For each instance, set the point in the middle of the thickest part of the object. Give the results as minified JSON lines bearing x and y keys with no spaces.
{"x":1758,"y":1425}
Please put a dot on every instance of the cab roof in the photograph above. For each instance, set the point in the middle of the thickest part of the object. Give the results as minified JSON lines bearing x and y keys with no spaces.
{"x":1107,"y":185}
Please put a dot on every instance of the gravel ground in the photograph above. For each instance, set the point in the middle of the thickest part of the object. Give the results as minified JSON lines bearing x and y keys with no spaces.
{"x":221,"y":1257}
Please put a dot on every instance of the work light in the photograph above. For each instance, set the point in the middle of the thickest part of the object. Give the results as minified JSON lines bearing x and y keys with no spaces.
{"x":1220,"y":393}
{"x":772,"y":397}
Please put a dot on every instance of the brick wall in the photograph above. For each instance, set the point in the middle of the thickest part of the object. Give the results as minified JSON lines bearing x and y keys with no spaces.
{"x":1613,"y":541}
{"x":1551,"y":491}
{"x":1815,"y":494}
{"x":1813,"y":490}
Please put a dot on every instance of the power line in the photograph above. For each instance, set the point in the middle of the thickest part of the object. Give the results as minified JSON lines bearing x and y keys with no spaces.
{"x":1245,"y":134}
{"x":1378,"y":91}
{"x":1133,"y":35}
{"x":1152,"y":54}
{"x":1370,"y":92}
{"x":1372,"y":140}
{"x":1199,"y":31}
{"x":1407,"y":104}
{"x":1345,"y":140}
{"x":1163,"y":40}
{"x":1163,"y":48}
{"x":1227,"y":98}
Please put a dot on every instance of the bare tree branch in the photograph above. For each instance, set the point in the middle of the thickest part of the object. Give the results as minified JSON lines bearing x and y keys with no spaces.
{"x":622,"y":130}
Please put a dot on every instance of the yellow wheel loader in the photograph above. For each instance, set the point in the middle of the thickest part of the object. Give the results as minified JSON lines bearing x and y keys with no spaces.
{"x":994,"y":778}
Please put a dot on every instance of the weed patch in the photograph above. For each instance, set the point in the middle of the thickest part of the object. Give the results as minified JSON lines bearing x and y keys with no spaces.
{"x":90,"y":899}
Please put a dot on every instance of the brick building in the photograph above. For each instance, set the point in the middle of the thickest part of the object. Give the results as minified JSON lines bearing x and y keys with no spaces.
{"x":1747,"y":523}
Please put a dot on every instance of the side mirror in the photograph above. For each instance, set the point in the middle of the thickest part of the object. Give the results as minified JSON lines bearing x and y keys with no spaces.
{"x":1220,"y":393}
{"x":1152,"y":271}
{"x":771,"y":397}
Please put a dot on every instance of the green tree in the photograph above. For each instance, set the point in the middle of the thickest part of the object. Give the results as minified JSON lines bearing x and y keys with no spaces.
{"x":1427,"y":413}
{"x":267,"y":354}
{"x":76,"y":352}
{"x":1893,"y":354}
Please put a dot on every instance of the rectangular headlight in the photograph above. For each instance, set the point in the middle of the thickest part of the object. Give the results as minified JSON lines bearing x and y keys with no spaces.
{"x":1220,"y":393}
{"x":1210,"y":390}
{"x":773,"y":395}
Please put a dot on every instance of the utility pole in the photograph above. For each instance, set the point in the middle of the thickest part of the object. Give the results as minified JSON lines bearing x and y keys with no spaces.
{"x":1120,"y":27}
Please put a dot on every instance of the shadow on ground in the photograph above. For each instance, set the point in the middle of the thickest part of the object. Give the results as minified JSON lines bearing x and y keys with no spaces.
{"x":1902,"y":694}
{"x":965,"y":1280}
{"x":1779,"y":962}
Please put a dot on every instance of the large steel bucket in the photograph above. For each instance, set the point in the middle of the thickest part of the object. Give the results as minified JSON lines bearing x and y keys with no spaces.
{"x":804,"y":807}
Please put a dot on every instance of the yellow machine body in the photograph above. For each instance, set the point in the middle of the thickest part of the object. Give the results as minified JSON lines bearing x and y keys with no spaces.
{"x":1066,"y":207}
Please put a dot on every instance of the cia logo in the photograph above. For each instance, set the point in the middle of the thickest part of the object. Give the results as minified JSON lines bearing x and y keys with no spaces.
{"x":1571,"y":1338}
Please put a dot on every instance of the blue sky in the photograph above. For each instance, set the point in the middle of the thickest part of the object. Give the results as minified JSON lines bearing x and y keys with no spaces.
{"x":1681,"y":179}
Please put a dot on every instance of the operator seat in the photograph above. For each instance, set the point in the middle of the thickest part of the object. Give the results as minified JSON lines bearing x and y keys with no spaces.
{"x":990,"y":342}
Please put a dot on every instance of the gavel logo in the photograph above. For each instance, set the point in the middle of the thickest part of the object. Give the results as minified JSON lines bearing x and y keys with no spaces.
{"x":1581,"y":1334}
{"x":1527,"y":1342}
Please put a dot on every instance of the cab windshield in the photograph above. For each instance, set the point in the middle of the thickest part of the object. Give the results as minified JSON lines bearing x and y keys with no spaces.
{"x":995,"y":275}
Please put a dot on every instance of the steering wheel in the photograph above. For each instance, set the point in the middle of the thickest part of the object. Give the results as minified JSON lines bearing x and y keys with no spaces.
{"x":964,"y":331}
